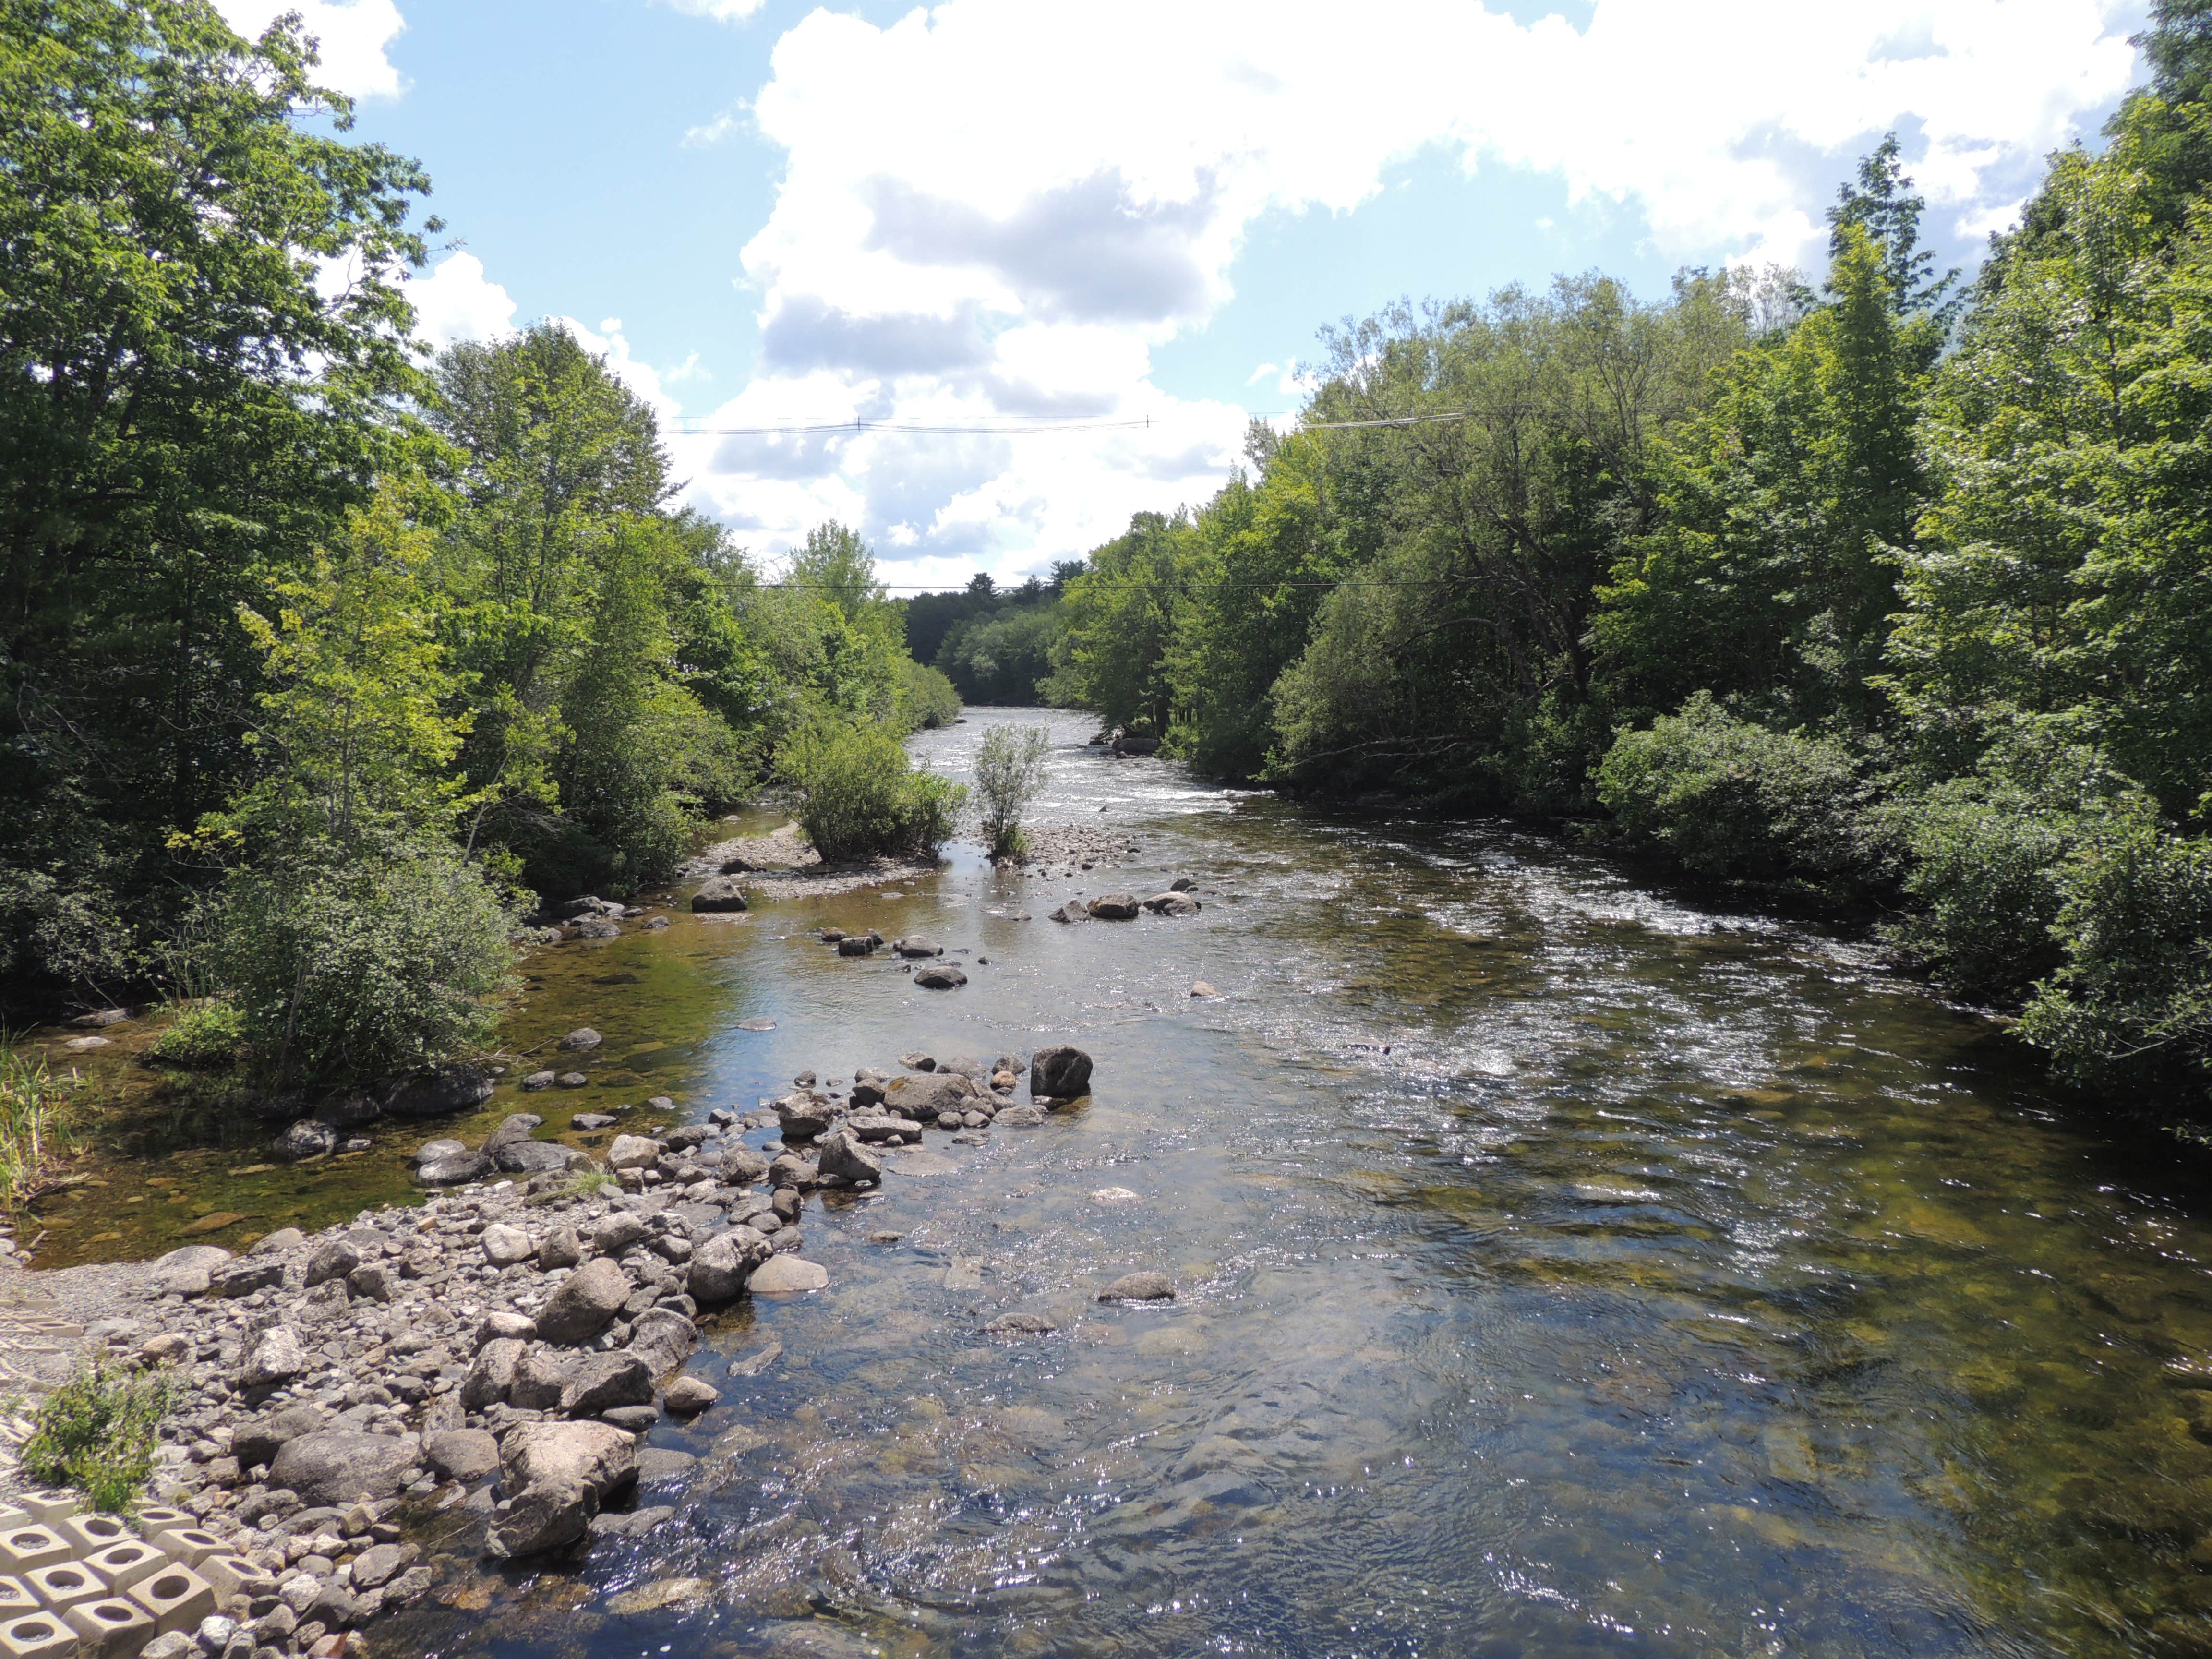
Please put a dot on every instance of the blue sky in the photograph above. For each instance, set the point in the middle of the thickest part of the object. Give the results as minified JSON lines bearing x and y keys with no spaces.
{"x":768,"y":213}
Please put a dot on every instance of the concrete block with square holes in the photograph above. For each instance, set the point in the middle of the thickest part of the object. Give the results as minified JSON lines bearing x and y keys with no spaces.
{"x":234,"y":1575}
{"x":178,"y":1598}
{"x":26,"y":1547}
{"x":121,"y":1566}
{"x":189,"y":1545}
{"x":63,"y":1585}
{"x":111,"y":1629}
{"x":87,"y":1533}
{"x":38,"y":1636}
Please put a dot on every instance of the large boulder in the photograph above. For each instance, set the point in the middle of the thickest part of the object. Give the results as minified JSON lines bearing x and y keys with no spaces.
{"x":844,"y":1157}
{"x":876,"y":1125}
{"x":720,"y":895}
{"x":1114,"y":907}
{"x":788,"y":1275}
{"x":541,"y":1377}
{"x":925,"y":1096}
{"x":333,"y":1259}
{"x":862,"y":945}
{"x":515,"y":1126}
{"x":259,"y":1439}
{"x":719,"y":1267}
{"x":633,"y":1153}
{"x":805,"y":1114}
{"x":305,"y":1139}
{"x":188,"y":1271}
{"x":663,"y":1338}
{"x":335,"y":1467}
{"x":1059,"y":1073}
{"x":742,"y":1166}
{"x":503,"y":1245}
{"x":585,"y":1303}
{"x":940,"y":977}
{"x":453,"y":1169}
{"x":464,"y":1455}
{"x":439,"y":1092}
{"x":535,"y":1156}
{"x":278,"y":1355}
{"x":560,"y":1475}
{"x":492,"y":1374}
{"x":613,"y":1234}
{"x":601,"y":1381}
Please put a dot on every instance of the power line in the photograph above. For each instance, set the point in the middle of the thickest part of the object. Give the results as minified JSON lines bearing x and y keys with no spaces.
{"x":1180,"y":586}
{"x":1020,"y":425}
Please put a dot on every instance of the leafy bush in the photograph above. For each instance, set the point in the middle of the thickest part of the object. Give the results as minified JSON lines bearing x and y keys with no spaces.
{"x":2133,"y":1002}
{"x":345,"y":970}
{"x":1725,"y":797}
{"x":927,"y":699}
{"x":861,"y":795}
{"x":206,"y":1036}
{"x":1009,"y":772}
{"x":97,"y":1432}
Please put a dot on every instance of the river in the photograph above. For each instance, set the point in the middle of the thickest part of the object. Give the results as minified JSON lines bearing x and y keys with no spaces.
{"x":1565,"y":1266}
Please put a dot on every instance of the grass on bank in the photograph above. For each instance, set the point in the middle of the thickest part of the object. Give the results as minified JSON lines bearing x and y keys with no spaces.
{"x":97,"y":1433}
{"x":35,"y":1127}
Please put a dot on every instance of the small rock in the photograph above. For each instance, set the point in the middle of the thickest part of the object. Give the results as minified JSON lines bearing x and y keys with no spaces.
{"x":559,"y":1248}
{"x":1020,"y":1324}
{"x":633,"y":1153}
{"x":1199,"y":987}
{"x":278,"y":1355}
{"x":788,"y":1275}
{"x":1172,"y":904}
{"x":538,"y":1080}
{"x":307,"y":1138}
{"x":1114,"y":907}
{"x":720,"y":894}
{"x":915,"y":945}
{"x":914,"y":1060}
{"x":1059,"y":1073}
{"x":843,"y":1157}
{"x":572,"y":1079}
{"x":464,"y":1455}
{"x":687,"y":1396}
{"x":1070,"y":911}
{"x":503,"y":1246}
{"x":940,"y":977}
{"x":1140,"y":1287}
{"x":582,"y":1040}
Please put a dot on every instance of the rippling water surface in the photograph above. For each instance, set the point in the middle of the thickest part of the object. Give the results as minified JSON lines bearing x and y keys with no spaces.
{"x":1564,"y":1268}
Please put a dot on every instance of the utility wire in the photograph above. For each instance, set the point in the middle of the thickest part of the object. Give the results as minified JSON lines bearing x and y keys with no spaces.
{"x":1014,"y":592}
{"x":1031,"y":425}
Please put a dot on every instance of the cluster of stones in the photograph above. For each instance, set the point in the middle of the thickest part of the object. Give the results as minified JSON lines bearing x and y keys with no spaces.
{"x":503,"y":1349}
{"x":915,"y":947}
{"x":593,"y":917}
{"x":1126,"y":907}
{"x":1071,"y":847}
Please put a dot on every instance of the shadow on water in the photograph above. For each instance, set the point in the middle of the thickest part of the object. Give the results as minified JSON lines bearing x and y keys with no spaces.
{"x":1564,"y":1266}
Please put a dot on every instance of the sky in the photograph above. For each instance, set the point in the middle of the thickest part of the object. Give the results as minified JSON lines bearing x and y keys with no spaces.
{"x":1128,"y":221}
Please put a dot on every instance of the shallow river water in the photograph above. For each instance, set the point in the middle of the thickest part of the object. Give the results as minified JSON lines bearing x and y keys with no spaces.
{"x":1565,"y":1267}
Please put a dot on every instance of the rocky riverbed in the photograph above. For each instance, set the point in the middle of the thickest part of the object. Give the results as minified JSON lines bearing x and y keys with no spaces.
{"x":383,"y":1410}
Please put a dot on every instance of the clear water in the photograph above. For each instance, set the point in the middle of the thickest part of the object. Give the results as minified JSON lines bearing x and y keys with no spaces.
{"x":1565,"y":1267}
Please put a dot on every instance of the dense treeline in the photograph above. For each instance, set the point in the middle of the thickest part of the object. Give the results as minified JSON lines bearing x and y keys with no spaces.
{"x":1898,"y":589}
{"x":321,"y":660}
{"x":994,"y":646}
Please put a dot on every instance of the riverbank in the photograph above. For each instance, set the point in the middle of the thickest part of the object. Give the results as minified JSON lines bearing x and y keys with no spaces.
{"x":369,"y":1415}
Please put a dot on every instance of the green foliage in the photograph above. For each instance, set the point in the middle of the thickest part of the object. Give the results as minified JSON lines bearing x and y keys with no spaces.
{"x":1004,"y":657}
{"x":1768,"y":578}
{"x":1010,"y":771}
{"x":184,"y":412}
{"x":205,"y":1035}
{"x":927,"y":699}
{"x":98,"y":1432}
{"x":1730,"y":797}
{"x":861,"y":795}
{"x":352,"y":964}
{"x":1118,"y":616}
{"x":35,"y":1123}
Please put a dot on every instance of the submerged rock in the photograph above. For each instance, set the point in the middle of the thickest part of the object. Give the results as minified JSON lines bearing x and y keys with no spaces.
{"x":1145,"y":1286}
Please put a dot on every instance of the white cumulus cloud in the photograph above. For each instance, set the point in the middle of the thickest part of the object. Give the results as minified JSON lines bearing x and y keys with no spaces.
{"x":457,"y":302}
{"x":1005,"y":206}
{"x":353,"y":34}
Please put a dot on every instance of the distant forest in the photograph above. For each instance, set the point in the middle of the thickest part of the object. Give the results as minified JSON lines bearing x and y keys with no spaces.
{"x":994,"y":644}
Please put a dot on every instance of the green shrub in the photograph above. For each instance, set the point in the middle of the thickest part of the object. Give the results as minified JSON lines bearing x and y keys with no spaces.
{"x":345,"y":971}
{"x":2133,"y":1001}
{"x":927,"y":699}
{"x":1009,"y":772}
{"x":1726,"y":797}
{"x":97,"y":1432}
{"x":861,"y":795}
{"x":205,"y":1036}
